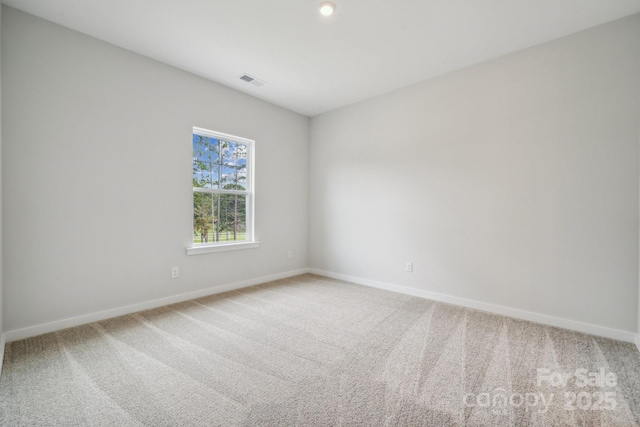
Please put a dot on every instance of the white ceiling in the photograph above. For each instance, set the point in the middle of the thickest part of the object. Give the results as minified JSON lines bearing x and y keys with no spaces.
{"x":314,"y":64}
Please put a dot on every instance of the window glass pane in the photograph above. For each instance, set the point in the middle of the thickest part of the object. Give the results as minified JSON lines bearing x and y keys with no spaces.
{"x":206,"y":161}
{"x":203,"y":224}
{"x":219,"y":217}
{"x":232,"y":215}
{"x":235,"y":166}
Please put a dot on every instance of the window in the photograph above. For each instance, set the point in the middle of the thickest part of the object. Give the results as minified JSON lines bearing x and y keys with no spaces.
{"x":222,"y":192}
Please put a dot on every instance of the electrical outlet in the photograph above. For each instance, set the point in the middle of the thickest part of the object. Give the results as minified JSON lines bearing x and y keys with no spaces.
{"x":175,"y":272}
{"x":290,"y":254}
{"x":408,"y":267}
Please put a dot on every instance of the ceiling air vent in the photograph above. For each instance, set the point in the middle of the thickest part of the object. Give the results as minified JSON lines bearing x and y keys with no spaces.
{"x":249,"y":79}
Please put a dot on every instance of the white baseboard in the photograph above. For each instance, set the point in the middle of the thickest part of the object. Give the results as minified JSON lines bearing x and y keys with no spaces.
{"x":544,"y":319}
{"x":2,"y":341}
{"x":45,"y":328}
{"x":573,"y":325}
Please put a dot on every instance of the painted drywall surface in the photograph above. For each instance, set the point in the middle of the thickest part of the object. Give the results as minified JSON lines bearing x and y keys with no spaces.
{"x":1,"y":265}
{"x":513,"y":182}
{"x":97,"y":176}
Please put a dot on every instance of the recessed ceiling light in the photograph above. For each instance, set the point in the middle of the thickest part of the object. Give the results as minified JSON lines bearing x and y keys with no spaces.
{"x":327,"y":8}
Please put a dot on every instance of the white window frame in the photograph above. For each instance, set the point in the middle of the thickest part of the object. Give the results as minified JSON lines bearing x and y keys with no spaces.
{"x":249,"y":242}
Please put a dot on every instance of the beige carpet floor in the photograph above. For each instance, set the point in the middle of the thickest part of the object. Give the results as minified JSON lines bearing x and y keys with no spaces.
{"x":312,"y":351}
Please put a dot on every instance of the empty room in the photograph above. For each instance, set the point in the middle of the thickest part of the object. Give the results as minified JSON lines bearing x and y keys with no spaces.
{"x":320,"y":213}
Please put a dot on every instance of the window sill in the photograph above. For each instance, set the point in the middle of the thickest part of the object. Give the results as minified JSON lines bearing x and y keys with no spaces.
{"x":205,"y":249}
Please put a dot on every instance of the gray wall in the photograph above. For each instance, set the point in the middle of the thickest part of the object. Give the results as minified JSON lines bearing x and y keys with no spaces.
{"x":97,"y":176}
{"x":514,"y":182}
{"x":1,"y":227}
